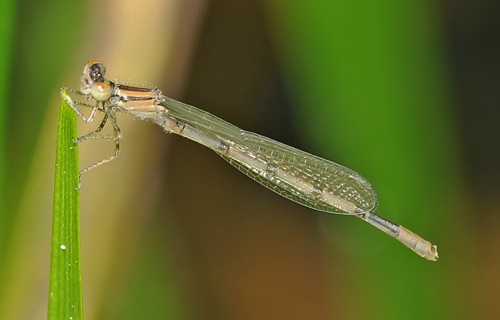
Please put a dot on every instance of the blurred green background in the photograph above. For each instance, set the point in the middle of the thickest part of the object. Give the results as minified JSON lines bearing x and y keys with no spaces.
{"x":405,"y":93}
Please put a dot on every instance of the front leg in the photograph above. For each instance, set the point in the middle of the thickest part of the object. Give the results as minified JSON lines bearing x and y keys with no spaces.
{"x":74,"y":104}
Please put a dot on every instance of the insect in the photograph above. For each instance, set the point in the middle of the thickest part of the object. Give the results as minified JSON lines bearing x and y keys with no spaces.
{"x":294,"y":174}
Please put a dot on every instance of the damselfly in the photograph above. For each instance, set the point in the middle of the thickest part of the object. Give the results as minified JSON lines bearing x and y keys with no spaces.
{"x":294,"y":174}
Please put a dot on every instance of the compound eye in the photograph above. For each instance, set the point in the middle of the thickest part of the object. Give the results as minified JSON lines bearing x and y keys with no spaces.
{"x":101,"y":91}
{"x":96,"y":71}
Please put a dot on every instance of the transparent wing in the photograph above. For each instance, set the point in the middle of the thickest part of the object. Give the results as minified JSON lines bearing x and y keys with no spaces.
{"x":294,"y":174}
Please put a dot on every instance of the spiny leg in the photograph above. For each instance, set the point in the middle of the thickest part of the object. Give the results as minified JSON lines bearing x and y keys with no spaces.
{"x":109,"y":113}
{"x":116,"y":137}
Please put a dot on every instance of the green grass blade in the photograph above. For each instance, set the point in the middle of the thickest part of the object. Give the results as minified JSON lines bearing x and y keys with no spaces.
{"x":65,"y":294}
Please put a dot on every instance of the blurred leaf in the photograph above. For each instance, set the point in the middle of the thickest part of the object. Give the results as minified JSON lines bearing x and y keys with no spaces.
{"x":65,"y":298}
{"x":6,"y":34}
{"x":368,"y":81}
{"x":38,"y":62}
